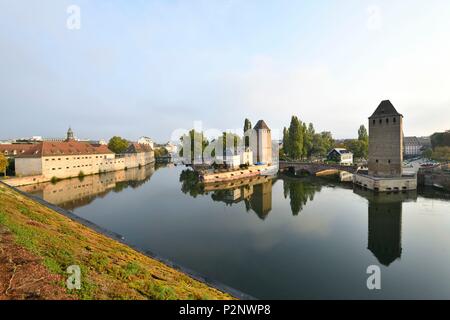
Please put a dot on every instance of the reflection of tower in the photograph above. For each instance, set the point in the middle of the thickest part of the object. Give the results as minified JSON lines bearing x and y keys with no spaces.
{"x":385,"y":230}
{"x":261,"y":200}
{"x":385,"y":223}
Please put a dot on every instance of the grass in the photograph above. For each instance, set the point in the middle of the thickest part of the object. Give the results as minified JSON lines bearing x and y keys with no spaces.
{"x":110,"y":270}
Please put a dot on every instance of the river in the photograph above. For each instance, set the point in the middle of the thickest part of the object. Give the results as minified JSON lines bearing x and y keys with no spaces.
{"x":281,"y":238}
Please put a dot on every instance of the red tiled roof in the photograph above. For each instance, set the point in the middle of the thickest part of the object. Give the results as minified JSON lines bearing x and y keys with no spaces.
{"x":48,"y":149}
{"x":14,"y":149}
{"x":138,"y":148}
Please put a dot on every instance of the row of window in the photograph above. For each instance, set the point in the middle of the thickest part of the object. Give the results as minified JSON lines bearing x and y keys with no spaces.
{"x":87,"y":165}
{"x":381,"y":121}
{"x":77,"y":158}
{"x":377,"y":161}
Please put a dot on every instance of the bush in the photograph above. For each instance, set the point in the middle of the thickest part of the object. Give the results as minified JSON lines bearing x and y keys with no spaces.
{"x":54,"y":180}
{"x":81,"y":175}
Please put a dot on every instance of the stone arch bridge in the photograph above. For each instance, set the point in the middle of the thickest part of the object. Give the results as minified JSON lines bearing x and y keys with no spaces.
{"x":316,"y":168}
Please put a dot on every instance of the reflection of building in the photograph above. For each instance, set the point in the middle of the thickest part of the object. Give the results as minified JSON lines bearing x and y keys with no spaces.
{"x":261,"y":200}
{"x":341,"y":156}
{"x":256,"y":192}
{"x":74,"y":193}
{"x":385,"y":224}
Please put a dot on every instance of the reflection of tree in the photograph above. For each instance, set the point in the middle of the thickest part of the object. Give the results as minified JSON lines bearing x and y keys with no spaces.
{"x":300,"y":192}
{"x":190,"y":183}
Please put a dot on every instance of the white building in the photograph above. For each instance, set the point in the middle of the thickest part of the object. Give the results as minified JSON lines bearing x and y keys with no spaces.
{"x":146,"y":141}
{"x":412,"y":146}
{"x":341,"y":155}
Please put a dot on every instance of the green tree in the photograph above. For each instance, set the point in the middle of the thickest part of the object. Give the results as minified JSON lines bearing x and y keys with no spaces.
{"x":117,"y":144}
{"x":327,"y":141}
{"x":362,"y":134}
{"x":286,"y":148}
{"x":198,"y":144}
{"x":441,"y":154}
{"x":295,"y":138}
{"x":359,"y":148}
{"x":427,"y":153}
{"x":247,"y":127}
{"x":308,"y":140}
{"x":3,"y":164}
{"x":230,"y":141}
{"x":440,"y":139}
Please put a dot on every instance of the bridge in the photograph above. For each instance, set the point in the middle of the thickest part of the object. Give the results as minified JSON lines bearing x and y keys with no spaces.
{"x":316,"y":168}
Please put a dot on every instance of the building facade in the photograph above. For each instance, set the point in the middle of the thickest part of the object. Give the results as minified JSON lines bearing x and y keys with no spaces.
{"x":385,"y":163}
{"x":412,"y":147}
{"x":263,"y":142}
{"x":341,"y":156}
{"x":385,"y":141}
{"x":147,"y":141}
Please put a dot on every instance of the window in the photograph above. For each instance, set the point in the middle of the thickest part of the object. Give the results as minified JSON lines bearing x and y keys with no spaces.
{"x":389,"y":161}
{"x":395,"y":120}
{"x":381,"y":121}
{"x":387,"y":120}
{"x":373,"y":121}
{"x":377,"y":160}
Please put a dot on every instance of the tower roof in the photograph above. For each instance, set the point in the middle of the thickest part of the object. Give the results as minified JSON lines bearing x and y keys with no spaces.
{"x":261,"y":125}
{"x":386,"y":108}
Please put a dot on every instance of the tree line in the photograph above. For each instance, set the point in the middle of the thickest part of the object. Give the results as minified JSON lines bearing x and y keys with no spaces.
{"x":301,"y":141}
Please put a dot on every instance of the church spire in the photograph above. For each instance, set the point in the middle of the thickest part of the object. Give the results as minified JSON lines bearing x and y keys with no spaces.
{"x":70,"y":135}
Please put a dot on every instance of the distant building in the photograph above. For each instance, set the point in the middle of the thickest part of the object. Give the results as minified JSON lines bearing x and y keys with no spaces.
{"x":13,"y":150}
{"x":412,"y":147}
{"x":341,"y":156}
{"x":263,"y":144}
{"x":70,"y":136}
{"x":64,"y":159}
{"x":247,"y":157}
{"x":146,"y":141}
{"x":69,"y":158}
{"x":171,"y":148}
{"x":143,"y":153}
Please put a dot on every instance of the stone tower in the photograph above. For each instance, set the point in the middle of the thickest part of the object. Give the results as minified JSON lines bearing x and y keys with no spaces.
{"x":70,"y":136}
{"x":263,"y":143}
{"x":385,"y":141}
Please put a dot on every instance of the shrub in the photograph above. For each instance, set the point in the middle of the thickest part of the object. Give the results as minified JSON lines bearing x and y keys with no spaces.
{"x":54,"y":180}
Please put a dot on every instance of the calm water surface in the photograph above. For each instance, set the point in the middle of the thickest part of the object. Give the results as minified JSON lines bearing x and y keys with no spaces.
{"x":279,"y":238}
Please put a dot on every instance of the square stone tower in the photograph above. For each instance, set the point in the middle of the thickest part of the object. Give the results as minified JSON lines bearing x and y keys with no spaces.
{"x":263,"y":143}
{"x":385,"y":141}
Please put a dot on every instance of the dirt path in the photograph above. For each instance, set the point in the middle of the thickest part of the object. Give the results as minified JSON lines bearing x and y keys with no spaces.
{"x":22,"y":276}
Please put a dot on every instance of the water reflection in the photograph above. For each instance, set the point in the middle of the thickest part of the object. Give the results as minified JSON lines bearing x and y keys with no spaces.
{"x":299,"y":192}
{"x":256,"y":192}
{"x":77,"y":192}
{"x":385,"y":223}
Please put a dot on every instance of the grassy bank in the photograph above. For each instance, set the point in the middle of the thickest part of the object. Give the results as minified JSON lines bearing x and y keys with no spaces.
{"x":110,"y":270}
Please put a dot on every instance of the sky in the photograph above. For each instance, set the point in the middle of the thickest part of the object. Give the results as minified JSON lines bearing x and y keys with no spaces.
{"x":146,"y":67}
